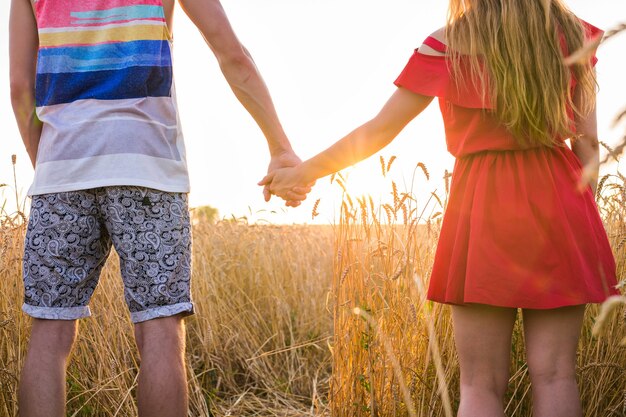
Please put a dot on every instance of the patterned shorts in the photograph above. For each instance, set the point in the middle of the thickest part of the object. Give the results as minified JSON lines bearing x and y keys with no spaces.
{"x":69,"y":238}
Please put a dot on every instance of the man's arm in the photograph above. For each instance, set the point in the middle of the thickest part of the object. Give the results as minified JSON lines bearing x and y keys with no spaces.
{"x":243,"y":77}
{"x":23,"y":46}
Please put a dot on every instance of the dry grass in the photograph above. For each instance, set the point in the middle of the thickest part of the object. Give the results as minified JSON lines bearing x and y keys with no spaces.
{"x":267,"y":301}
{"x":257,"y":345}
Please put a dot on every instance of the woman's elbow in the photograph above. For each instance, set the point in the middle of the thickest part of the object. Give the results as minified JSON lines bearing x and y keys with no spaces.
{"x":382,"y":131}
{"x":589,"y":140}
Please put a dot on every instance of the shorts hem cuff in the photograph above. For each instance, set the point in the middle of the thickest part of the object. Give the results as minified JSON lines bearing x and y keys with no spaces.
{"x":56,"y":313}
{"x":163,"y":311}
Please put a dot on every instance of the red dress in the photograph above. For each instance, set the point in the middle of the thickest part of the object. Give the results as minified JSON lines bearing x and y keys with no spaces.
{"x":516,"y":232}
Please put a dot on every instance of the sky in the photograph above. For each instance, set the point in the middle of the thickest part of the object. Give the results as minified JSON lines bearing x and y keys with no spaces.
{"x":330,"y":66}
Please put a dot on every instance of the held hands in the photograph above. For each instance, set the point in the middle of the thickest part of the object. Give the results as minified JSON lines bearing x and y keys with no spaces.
{"x":283,"y":164}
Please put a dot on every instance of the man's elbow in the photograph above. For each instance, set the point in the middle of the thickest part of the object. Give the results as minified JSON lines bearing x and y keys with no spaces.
{"x":237,"y":66}
{"x":22,"y":90}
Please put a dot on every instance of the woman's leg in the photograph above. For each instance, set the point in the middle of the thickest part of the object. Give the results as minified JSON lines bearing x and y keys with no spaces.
{"x":551,"y":342}
{"x":483,"y":342}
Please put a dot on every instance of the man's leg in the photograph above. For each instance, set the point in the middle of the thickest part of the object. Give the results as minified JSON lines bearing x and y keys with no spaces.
{"x":551,"y":344}
{"x":151,"y":232}
{"x":482,"y":335}
{"x":162,"y":386}
{"x":42,"y":382}
{"x":64,"y":251}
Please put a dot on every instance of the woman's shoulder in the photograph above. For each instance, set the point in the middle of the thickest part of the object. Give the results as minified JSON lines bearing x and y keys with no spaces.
{"x":434,"y":44}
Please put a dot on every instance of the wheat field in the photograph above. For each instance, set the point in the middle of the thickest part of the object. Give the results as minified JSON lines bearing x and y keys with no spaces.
{"x":311,"y":320}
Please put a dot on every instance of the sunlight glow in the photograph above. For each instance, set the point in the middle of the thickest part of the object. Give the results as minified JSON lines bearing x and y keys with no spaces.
{"x":325,"y":80}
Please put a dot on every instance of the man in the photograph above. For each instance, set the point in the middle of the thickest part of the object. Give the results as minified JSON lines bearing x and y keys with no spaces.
{"x":92,"y":92}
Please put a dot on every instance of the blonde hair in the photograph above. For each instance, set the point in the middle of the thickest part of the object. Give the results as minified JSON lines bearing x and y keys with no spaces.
{"x":526,"y":80}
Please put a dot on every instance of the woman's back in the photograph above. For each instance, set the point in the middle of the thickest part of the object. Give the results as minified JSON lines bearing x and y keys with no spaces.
{"x":515,"y":209}
{"x":513,"y":53}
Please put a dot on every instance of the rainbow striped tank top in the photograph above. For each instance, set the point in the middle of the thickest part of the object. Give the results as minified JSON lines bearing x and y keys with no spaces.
{"x":105,"y":96}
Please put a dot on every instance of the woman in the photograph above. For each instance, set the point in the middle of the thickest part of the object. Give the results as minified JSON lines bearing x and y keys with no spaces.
{"x":520,"y":231}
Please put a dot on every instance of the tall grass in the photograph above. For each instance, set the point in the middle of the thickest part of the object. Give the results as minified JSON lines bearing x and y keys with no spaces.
{"x":268,"y":299}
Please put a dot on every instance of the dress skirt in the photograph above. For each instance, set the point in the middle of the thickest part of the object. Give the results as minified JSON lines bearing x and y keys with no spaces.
{"x":520,"y":232}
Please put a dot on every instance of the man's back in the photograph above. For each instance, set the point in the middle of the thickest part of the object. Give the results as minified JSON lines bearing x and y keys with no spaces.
{"x":105,"y":95}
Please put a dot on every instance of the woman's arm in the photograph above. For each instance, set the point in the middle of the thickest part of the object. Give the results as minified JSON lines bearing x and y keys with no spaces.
{"x":585,"y":144}
{"x":23,"y":46}
{"x":359,"y":144}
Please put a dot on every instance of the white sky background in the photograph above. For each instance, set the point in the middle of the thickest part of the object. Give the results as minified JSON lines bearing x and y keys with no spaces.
{"x":330,"y":66}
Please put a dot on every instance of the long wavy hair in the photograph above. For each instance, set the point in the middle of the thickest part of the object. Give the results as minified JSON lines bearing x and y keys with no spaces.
{"x":515,"y":58}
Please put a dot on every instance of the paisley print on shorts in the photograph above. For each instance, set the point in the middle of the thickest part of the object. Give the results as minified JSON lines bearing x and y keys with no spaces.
{"x":69,"y":238}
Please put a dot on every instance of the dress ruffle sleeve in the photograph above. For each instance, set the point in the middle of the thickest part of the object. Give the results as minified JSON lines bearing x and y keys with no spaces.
{"x":429,"y":75}
{"x":592,"y":33}
{"x":425,"y":74}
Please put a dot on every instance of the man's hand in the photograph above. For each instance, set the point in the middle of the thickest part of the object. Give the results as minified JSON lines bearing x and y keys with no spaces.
{"x":288,"y":183}
{"x":285,"y":160}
